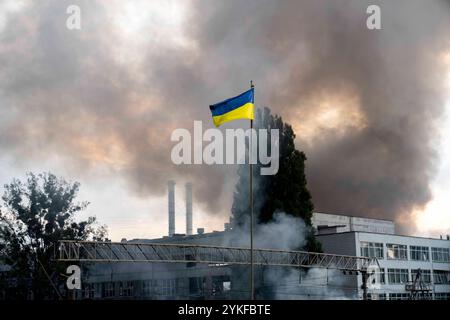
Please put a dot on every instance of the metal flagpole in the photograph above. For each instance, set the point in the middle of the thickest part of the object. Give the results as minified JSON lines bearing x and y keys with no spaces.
{"x":252,"y":278}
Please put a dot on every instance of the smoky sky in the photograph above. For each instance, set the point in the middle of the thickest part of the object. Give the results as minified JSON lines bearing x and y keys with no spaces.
{"x":90,"y":98}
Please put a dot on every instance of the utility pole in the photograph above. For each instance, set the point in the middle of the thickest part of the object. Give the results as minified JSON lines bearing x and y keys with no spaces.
{"x":252,"y":276}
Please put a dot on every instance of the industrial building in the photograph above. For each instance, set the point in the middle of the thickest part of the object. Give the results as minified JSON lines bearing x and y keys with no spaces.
{"x":400,"y":257}
{"x":409,"y":267}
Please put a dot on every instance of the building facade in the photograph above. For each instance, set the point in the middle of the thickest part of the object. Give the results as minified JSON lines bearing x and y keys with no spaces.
{"x":400,"y":259}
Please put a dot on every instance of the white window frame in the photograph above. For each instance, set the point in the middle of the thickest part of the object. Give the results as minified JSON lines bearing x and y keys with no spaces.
{"x":419,"y":253}
{"x":440,"y":254}
{"x":397,"y":276}
{"x":372,"y":249}
{"x":399,"y":251}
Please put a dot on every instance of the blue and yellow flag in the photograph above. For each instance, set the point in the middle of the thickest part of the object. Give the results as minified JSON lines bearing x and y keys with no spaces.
{"x":240,"y":107}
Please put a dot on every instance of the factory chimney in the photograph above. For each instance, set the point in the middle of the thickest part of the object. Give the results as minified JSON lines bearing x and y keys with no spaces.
{"x":188,"y":208}
{"x":171,"y":187}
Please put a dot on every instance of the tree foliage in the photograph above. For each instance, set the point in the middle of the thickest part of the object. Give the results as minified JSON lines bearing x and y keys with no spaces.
{"x":36,"y":213}
{"x":285,"y":191}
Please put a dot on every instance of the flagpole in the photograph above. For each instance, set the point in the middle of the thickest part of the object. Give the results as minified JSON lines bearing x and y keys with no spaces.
{"x":252,"y":278}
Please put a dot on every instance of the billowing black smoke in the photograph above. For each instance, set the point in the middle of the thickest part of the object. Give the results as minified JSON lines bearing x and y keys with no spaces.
{"x":76,"y":95}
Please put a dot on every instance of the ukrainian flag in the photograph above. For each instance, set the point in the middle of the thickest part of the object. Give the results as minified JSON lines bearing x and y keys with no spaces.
{"x":240,"y":107}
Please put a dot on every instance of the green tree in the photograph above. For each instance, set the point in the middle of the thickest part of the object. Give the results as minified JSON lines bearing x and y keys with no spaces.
{"x":38,"y":212}
{"x":285,"y":191}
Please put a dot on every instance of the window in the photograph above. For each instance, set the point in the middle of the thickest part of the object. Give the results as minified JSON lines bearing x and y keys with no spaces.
{"x":220,"y":284}
{"x":226,"y":286}
{"x":425,"y":275}
{"x":376,"y":296}
{"x":372,"y":250}
{"x":419,"y":253}
{"x":89,"y":291}
{"x":382,"y":296}
{"x":108,"y":289}
{"x":440,"y":254}
{"x":441,"y":277}
{"x":165,"y":287}
{"x":146,"y":290}
{"x":128,"y":287}
{"x":397,"y":251}
{"x":442,"y":296}
{"x":398,"y":296}
{"x":397,"y":276}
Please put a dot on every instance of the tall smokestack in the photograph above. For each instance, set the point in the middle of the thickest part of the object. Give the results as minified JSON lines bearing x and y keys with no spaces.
{"x":171,"y":186}
{"x":188,"y":208}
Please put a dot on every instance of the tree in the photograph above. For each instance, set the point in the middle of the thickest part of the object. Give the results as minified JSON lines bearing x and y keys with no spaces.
{"x":285,"y":191}
{"x":36,"y":214}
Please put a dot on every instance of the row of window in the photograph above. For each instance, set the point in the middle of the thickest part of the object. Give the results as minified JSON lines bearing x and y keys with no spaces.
{"x":405,"y":296}
{"x":399,"y":296}
{"x":400,"y":252}
{"x":402,"y":276}
{"x":161,"y":287}
{"x":154,"y":287}
{"x":442,"y":296}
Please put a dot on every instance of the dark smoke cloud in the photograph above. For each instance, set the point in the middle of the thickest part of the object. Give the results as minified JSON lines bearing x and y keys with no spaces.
{"x":73,"y":94}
